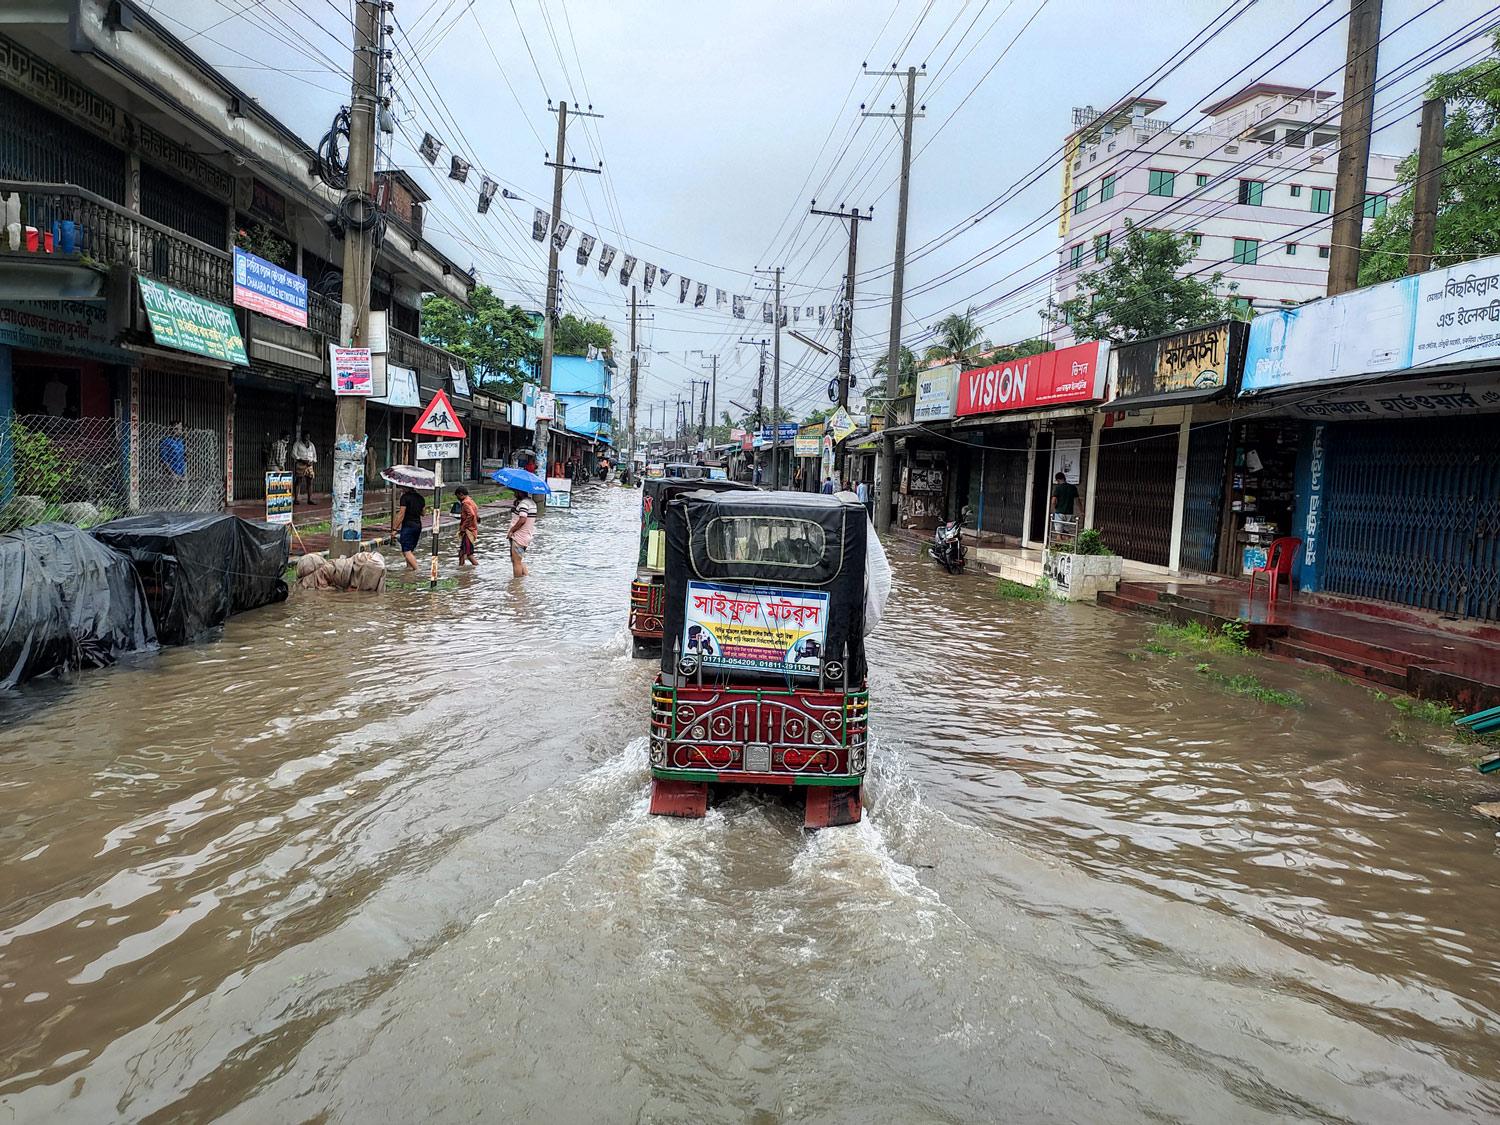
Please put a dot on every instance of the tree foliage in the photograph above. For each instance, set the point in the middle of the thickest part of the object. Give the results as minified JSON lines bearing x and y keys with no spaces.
{"x":1138,"y":291}
{"x":906,"y":381}
{"x":492,"y":337}
{"x":1005,"y":353}
{"x":575,"y":335}
{"x":1468,"y":207}
{"x":959,"y":340}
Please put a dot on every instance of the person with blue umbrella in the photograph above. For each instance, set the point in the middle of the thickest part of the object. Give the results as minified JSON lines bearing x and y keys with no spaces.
{"x":522,"y":528}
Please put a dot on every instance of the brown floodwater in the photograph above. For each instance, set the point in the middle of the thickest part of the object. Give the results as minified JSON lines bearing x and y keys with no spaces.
{"x":387,"y":859}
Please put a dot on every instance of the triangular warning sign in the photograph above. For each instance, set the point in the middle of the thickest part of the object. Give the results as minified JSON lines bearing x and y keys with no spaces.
{"x":440,"y":419}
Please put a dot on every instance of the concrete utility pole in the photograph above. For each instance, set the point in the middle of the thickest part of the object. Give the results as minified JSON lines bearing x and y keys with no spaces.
{"x":776,"y":391}
{"x":1425,"y":190}
{"x":886,"y":463}
{"x":1354,"y":145}
{"x":713,"y":392}
{"x":635,"y":378}
{"x":846,"y":334}
{"x":360,"y":220}
{"x":760,"y":382}
{"x":550,"y":316}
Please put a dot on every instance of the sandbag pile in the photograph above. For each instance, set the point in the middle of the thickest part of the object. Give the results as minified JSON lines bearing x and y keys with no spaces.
{"x":364,"y":571}
{"x":67,"y":602}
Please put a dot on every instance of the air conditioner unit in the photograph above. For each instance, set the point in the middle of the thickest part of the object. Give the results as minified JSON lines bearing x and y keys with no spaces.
{"x":1231,"y":149}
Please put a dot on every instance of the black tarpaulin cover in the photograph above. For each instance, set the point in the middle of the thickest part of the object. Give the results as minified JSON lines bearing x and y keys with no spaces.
{"x":67,"y":601}
{"x":200,"y":567}
{"x":778,"y":540}
{"x":658,"y":492}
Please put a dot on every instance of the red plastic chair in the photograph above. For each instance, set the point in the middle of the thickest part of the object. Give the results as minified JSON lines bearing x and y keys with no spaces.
{"x":1279,"y":559}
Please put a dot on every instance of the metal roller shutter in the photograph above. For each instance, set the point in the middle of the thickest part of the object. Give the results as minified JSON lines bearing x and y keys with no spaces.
{"x":1133,"y":492}
{"x":1412,"y":513}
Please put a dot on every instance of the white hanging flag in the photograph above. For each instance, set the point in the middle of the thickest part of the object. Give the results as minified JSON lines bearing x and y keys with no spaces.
{"x":662,"y":277}
{"x":739,"y":307}
{"x":822,"y":315}
{"x":765,"y":312}
{"x":561,"y":235}
{"x":701,"y":295}
{"x":648,"y":278}
{"x":682,"y":289}
{"x":606,"y":259}
{"x":719,"y":297}
{"x":486,"y":193}
{"x":627,"y":267}
{"x":429,"y":148}
{"x":539,"y":224}
{"x":458,"y":169}
{"x":796,"y":314}
{"x":783,"y":316}
{"x":585,"y":249}
{"x":593,"y":352}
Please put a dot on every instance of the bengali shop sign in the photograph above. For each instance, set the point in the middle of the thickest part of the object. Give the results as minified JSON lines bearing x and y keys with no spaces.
{"x":266,"y":288}
{"x":1068,"y":375}
{"x":191,"y":324}
{"x":1442,"y":318}
{"x":754,"y":628}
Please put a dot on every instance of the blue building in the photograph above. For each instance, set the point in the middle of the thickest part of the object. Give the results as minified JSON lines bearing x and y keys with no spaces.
{"x":584,"y":386}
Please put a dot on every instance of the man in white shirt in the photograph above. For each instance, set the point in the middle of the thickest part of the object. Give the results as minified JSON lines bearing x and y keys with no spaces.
{"x":862,"y":490}
{"x":305,"y":455}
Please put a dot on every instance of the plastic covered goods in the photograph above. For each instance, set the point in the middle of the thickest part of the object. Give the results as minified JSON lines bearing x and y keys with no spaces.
{"x":200,"y":567}
{"x":67,"y":601}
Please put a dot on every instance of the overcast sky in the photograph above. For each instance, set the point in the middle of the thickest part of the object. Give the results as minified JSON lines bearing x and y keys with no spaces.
{"x":721,"y":120}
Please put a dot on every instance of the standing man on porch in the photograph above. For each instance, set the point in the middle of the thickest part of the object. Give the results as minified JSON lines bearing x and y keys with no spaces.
{"x":305,"y":455}
{"x":1064,"y":499}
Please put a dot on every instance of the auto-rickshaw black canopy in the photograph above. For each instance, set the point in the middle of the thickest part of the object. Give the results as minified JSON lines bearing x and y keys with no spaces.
{"x":775,"y":540}
{"x":658,"y":492}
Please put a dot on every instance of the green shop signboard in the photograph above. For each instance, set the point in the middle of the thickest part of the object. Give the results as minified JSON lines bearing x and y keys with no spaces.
{"x":191,"y":324}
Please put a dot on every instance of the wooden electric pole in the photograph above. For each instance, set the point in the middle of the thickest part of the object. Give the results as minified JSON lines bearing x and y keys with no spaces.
{"x":886,"y":463}
{"x":358,"y":212}
{"x":846,"y":322}
{"x":1425,"y":190}
{"x":549,"y":318}
{"x":1354,"y":145}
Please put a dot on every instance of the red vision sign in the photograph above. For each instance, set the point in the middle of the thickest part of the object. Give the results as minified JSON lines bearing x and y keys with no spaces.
{"x":1068,"y":375}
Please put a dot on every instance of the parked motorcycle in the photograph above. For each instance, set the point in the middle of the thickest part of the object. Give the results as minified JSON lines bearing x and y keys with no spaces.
{"x":948,"y":544}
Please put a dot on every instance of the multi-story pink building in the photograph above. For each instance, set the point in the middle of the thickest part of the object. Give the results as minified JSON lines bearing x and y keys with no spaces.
{"x":1252,"y":186}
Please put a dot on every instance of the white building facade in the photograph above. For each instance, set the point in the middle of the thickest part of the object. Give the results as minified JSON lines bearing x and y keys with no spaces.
{"x":1252,"y":187}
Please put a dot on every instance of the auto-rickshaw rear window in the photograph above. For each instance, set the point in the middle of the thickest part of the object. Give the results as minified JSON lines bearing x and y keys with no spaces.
{"x":765,"y":540}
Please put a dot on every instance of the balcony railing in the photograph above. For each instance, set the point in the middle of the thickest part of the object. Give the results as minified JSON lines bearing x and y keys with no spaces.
{"x":77,"y":223}
{"x":408,"y":351}
{"x":322,"y":315}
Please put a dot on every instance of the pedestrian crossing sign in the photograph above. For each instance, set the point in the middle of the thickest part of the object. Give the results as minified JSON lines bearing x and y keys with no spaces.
{"x":439,"y":419}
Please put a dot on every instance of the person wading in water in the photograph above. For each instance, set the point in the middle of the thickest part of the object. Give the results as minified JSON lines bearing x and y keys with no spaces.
{"x":522,"y":530}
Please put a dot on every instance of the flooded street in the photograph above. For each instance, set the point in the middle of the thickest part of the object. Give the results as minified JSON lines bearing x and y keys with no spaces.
{"x":388,"y":859}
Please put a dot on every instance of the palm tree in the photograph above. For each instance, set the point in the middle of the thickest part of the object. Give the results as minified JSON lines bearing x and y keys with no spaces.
{"x":906,"y":381}
{"x":959,"y":339}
